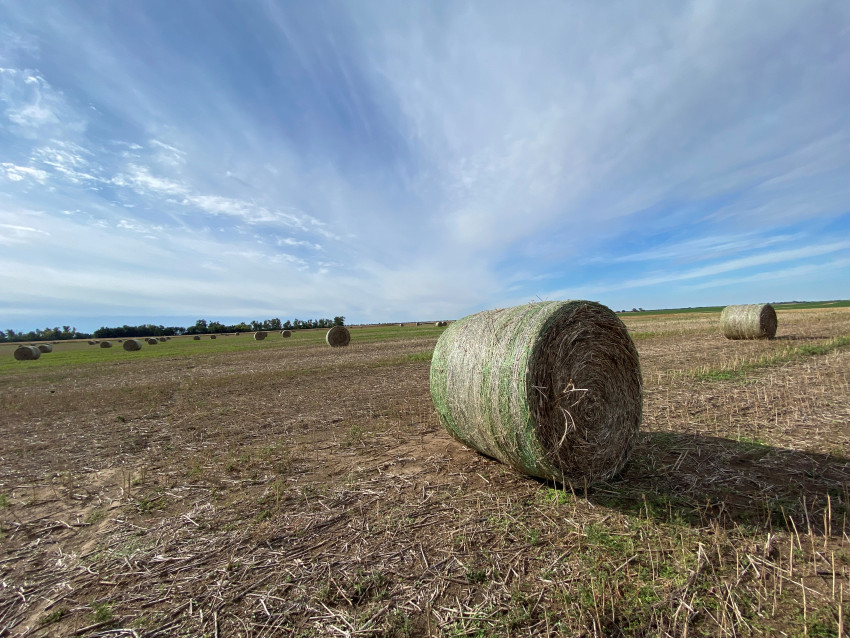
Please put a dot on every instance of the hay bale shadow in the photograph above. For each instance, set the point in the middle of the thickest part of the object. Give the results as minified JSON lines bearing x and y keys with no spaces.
{"x":706,"y":480}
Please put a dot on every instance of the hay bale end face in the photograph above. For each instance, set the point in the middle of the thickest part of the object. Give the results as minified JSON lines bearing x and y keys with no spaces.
{"x":259,"y":336}
{"x":105,"y":344}
{"x":748,"y":321}
{"x":338,"y":337}
{"x":45,"y":347}
{"x":27,"y":353}
{"x":132,"y":345}
{"x":286,"y":333}
{"x":552,"y":389}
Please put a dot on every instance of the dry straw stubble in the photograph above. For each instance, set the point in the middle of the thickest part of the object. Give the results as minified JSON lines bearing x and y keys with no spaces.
{"x":552,"y":389}
{"x":132,"y":345}
{"x":338,"y":337}
{"x":748,"y":321}
{"x":27,"y":353}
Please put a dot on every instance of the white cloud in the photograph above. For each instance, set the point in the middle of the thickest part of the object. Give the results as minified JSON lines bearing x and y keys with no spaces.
{"x":16,"y":173}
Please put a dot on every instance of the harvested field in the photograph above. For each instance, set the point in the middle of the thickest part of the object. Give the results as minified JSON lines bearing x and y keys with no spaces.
{"x":244,"y":488}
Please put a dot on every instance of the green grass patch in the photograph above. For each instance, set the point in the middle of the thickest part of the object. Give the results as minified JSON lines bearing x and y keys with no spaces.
{"x":739,"y":371}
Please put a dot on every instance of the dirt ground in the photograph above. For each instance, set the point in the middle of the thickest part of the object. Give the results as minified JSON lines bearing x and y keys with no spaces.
{"x":310,"y":491}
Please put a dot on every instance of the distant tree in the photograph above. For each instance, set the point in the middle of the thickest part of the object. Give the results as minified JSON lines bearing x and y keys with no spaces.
{"x":339,"y":321}
{"x":287,"y":325}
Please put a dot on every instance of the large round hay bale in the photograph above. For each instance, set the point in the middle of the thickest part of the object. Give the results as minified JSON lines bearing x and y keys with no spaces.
{"x":212,"y":336}
{"x":260,"y":335}
{"x":152,"y":341}
{"x":45,"y":347}
{"x":338,"y":337}
{"x":132,"y":345}
{"x":286,"y":333}
{"x":552,"y":389}
{"x":748,"y":321}
{"x":105,"y":344}
{"x":197,"y":338}
{"x":27,"y":353}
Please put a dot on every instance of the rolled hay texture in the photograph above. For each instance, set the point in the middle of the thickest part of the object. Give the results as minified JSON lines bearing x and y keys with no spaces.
{"x":338,"y":337}
{"x":286,"y":333}
{"x":551,"y":389}
{"x":45,"y":347}
{"x":151,"y":341}
{"x":197,"y":338}
{"x":259,"y":336}
{"x":749,"y":321}
{"x":105,"y":344}
{"x":132,"y":345}
{"x":27,"y":353}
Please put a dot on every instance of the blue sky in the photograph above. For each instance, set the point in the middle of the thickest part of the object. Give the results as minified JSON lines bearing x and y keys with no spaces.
{"x":168,"y":161}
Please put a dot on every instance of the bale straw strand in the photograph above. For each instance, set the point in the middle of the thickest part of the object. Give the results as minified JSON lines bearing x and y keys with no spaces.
{"x":552,"y":389}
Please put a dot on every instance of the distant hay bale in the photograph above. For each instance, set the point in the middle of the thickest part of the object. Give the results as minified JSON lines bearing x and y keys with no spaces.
{"x":259,"y":336}
{"x":162,"y":339}
{"x":212,"y":336}
{"x":45,"y":347}
{"x":748,"y":321}
{"x":91,"y":343}
{"x":132,"y":345}
{"x":27,"y":353}
{"x":120,"y":341}
{"x":552,"y":389}
{"x":418,"y":323}
{"x":197,"y":337}
{"x":151,"y":341}
{"x":401,"y":325}
{"x":338,"y":337}
{"x":286,"y":333}
{"x":105,"y":344}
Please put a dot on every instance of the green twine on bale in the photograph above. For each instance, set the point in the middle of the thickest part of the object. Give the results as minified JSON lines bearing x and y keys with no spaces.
{"x":552,"y":389}
{"x":748,"y":321}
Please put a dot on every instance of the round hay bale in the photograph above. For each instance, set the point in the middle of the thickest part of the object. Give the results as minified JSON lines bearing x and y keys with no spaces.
{"x":27,"y":353}
{"x":45,"y":347}
{"x":748,"y":321}
{"x":151,"y":341}
{"x":212,"y":336}
{"x":120,"y":341}
{"x":286,"y":333}
{"x":338,"y":337}
{"x":162,"y":339}
{"x":418,"y":323}
{"x":132,"y":345}
{"x":401,"y":325}
{"x":105,"y":344}
{"x":197,"y":338}
{"x":91,"y":343}
{"x":552,"y":389}
{"x":259,"y":336}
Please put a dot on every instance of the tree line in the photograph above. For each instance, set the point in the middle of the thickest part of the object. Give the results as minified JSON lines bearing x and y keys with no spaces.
{"x":201,"y":326}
